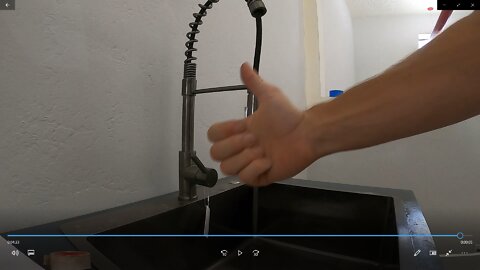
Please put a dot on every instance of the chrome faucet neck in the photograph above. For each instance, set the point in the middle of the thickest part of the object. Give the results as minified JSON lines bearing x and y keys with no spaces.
{"x":192,"y":172}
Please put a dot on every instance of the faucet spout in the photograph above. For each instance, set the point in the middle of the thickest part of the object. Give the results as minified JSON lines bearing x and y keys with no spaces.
{"x":257,"y":8}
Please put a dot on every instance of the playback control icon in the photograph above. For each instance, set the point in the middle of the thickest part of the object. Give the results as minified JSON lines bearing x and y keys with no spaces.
{"x":7,"y":4}
{"x":255,"y":253}
{"x":458,"y":4}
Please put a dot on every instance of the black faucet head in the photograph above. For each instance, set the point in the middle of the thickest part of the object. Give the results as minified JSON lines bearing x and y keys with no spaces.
{"x":257,"y":8}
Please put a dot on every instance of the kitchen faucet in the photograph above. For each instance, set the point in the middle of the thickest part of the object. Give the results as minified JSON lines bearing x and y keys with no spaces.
{"x":192,"y":172}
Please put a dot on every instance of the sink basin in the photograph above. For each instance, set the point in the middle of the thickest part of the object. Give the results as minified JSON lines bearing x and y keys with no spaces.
{"x":282,"y":210}
{"x":285,"y":211}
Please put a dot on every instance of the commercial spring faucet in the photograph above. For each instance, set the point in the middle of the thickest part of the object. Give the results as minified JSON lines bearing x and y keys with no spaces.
{"x":192,"y":172}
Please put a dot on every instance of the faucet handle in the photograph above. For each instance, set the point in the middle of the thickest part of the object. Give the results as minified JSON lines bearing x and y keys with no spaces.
{"x":196,"y":176}
{"x":201,"y":175}
{"x":199,"y":163}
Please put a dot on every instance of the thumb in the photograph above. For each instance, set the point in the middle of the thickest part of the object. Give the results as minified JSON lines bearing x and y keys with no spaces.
{"x":254,"y":82}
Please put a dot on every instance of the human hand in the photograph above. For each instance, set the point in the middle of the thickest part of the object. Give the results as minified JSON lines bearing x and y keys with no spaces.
{"x":272,"y":144}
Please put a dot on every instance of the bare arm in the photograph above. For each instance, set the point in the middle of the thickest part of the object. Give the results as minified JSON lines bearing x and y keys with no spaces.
{"x":436,"y":86}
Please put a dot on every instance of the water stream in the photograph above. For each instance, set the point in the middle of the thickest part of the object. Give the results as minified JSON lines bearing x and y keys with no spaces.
{"x":255,"y":211}
{"x":206,"y":227}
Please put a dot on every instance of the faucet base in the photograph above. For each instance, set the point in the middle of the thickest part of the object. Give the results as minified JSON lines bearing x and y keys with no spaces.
{"x":187,"y":190}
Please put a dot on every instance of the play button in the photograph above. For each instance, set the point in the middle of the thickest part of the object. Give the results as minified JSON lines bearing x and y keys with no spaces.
{"x":239,"y":252}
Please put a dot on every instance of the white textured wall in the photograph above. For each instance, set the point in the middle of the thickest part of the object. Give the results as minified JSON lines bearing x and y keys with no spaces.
{"x":336,"y":46}
{"x":381,"y":41}
{"x":90,"y":103}
{"x":441,"y":167}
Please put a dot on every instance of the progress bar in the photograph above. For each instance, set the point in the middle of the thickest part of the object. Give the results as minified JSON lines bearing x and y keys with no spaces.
{"x":458,"y":235}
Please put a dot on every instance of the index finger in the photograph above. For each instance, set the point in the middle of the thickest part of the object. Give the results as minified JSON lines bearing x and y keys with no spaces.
{"x":220,"y":131}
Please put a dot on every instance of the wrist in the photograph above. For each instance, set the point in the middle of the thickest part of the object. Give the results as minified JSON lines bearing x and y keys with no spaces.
{"x":320,"y":129}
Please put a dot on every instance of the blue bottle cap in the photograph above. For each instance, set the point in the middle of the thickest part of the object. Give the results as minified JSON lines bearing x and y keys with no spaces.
{"x":335,"y":93}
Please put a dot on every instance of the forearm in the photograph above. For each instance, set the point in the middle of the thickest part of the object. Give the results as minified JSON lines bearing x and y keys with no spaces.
{"x":437,"y":86}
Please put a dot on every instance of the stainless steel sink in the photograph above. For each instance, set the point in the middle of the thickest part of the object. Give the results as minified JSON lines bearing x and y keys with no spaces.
{"x":296,"y":207}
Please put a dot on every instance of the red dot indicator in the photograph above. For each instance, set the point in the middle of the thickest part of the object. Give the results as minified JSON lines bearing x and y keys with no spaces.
{"x":430,"y":8}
